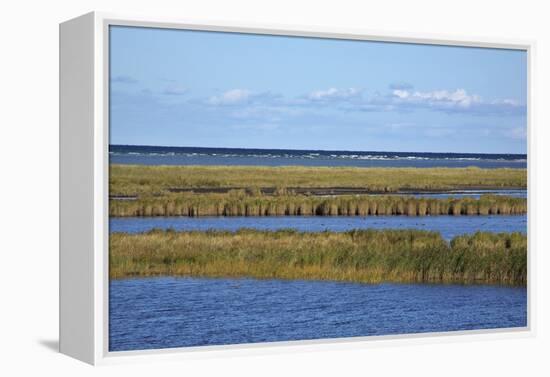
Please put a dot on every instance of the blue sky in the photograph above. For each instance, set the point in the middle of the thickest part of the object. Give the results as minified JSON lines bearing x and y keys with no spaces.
{"x":190,"y":88}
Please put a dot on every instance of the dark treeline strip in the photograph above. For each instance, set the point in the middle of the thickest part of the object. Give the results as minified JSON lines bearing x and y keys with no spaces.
{"x":368,"y":256}
{"x":240,"y":204}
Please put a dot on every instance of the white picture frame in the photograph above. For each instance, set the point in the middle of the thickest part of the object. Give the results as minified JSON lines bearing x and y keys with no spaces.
{"x":84,"y":140}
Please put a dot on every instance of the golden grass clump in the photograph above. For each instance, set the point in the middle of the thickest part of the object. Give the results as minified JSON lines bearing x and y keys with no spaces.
{"x":242,"y":204}
{"x":368,"y":256}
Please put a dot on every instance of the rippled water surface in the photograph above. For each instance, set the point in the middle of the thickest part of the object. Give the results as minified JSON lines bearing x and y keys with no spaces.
{"x":449,"y":226}
{"x":157,"y":155}
{"x":153,"y":313}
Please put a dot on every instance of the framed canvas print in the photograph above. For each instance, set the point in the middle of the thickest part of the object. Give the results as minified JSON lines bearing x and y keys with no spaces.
{"x":239,"y":186}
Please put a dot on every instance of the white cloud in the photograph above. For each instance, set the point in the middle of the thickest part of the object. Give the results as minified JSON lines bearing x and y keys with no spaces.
{"x":334,"y":93}
{"x":506,"y":101}
{"x":270,"y":105}
{"x":231,"y":97}
{"x":404,"y":98}
{"x":401,"y":93}
{"x":445,"y":98}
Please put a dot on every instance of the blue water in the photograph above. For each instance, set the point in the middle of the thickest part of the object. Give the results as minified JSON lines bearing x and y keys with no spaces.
{"x":476,"y":194}
{"x":154,"y":313}
{"x":448,"y":226}
{"x":152,"y":155}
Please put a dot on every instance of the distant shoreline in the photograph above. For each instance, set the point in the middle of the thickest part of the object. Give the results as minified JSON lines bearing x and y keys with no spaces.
{"x":157,"y":156}
{"x":312,"y":153}
{"x":122,"y":148}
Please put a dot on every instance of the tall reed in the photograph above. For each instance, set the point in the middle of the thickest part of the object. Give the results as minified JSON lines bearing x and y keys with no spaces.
{"x":368,"y":256}
{"x":242,"y":204}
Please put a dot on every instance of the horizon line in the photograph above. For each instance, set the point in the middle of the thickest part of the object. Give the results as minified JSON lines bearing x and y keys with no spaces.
{"x":314,"y":150}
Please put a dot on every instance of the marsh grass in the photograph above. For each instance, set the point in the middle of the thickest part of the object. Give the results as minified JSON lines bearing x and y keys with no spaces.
{"x":368,"y":256}
{"x":149,"y":180}
{"x":240,"y":203}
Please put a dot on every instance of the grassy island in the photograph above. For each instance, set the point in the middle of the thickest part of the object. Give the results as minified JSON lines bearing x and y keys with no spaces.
{"x":368,"y":256}
{"x":307,"y":191}
{"x":240,"y":203}
{"x":158,"y":180}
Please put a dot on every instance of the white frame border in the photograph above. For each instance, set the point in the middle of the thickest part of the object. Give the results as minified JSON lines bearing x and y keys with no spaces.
{"x":102,"y":355}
